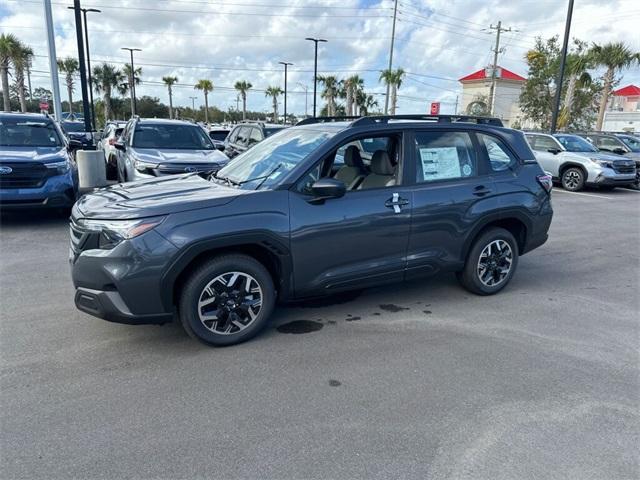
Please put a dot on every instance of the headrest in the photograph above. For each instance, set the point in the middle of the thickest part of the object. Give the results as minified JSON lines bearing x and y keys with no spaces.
{"x":381,"y":163}
{"x":352,"y":157}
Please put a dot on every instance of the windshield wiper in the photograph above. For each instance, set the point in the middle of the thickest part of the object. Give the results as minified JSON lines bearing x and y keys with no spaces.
{"x":227,"y":180}
{"x":262,"y":177}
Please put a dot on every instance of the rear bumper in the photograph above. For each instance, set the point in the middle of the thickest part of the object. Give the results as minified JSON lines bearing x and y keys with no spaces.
{"x":59,"y":191}
{"x":109,"y":306}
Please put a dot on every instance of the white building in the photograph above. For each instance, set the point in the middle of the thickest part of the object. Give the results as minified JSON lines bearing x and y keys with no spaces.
{"x":506,"y":105}
{"x":623,"y":114}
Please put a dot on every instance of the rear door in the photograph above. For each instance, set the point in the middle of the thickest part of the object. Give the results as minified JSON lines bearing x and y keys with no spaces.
{"x":452,"y":190}
{"x":541,"y":146}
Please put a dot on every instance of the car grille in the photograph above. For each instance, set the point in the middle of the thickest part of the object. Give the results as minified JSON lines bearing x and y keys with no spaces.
{"x":176,"y":168}
{"x":25,"y":175}
{"x":624,"y":167}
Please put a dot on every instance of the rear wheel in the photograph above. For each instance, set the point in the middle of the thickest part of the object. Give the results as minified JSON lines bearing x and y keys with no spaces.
{"x":573,"y":179}
{"x":227,"y":300}
{"x":491,"y":262}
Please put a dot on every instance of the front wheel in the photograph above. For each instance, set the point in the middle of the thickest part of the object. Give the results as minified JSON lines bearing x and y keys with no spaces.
{"x":573,"y":179}
{"x":491,"y":262}
{"x":227,"y":300}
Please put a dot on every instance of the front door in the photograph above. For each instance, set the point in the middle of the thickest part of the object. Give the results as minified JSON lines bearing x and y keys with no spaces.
{"x":355,"y":241}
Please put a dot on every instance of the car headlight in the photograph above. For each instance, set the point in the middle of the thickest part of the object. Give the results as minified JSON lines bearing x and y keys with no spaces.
{"x":602,"y":163}
{"x":60,"y":167}
{"x":112,"y":232}
{"x":141,"y":165}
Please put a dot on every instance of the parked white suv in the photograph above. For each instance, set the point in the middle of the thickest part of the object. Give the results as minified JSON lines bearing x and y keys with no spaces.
{"x":574,"y":162}
{"x":110,"y":136}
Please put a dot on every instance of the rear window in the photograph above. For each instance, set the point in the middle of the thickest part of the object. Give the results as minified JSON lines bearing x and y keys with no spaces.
{"x":28,"y":133}
{"x":73,"y":126}
{"x":220,"y":135}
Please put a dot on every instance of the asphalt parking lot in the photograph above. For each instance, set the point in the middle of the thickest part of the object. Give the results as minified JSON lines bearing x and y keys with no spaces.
{"x":421,"y":380}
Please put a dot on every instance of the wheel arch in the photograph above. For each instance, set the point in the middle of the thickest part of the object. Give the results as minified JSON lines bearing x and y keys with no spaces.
{"x":514,"y":222}
{"x":568,"y":165}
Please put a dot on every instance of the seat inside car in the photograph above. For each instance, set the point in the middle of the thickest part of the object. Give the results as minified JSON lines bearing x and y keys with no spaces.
{"x":353,"y":170}
{"x":382,"y":171}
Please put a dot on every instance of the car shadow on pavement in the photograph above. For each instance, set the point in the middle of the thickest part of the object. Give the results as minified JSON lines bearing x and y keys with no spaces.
{"x":31,"y":217}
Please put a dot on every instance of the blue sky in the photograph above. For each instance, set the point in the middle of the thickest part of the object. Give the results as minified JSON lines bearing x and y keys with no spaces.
{"x":229,"y":40}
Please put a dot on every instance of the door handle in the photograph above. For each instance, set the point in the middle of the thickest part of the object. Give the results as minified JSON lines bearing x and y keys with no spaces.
{"x":481,"y":191}
{"x":396,"y":202}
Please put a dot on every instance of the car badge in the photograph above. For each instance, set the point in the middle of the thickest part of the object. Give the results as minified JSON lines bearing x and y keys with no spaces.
{"x":5,"y":170}
{"x":191,"y":169}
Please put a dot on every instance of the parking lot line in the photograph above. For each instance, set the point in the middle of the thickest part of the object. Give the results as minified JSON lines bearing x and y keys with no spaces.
{"x":583,"y":194}
{"x":630,"y":190}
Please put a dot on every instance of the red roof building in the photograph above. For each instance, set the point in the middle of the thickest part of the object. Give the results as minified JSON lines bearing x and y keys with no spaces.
{"x":628,"y":91}
{"x":625,"y":99}
{"x":485,"y":74}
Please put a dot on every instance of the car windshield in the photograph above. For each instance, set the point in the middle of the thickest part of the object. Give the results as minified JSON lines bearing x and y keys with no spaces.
{"x":271,"y":159}
{"x":573,"y":143}
{"x":73,"y":126}
{"x":28,"y":133}
{"x":178,"y":137}
{"x":218,"y":135}
{"x":631,"y":142}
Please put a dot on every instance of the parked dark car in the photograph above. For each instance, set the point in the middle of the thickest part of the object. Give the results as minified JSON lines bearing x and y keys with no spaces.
{"x":218,"y":135}
{"x":284,"y":221}
{"x":36,"y":165}
{"x":150,"y":148}
{"x":246,"y":135}
{"x":76,"y":130}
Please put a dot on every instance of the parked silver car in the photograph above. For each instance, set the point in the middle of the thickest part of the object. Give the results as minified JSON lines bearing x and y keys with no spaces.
{"x":575,"y":162}
{"x":107,"y":144}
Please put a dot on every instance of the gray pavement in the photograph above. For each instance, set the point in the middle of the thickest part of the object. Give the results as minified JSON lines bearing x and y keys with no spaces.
{"x":422,"y":380}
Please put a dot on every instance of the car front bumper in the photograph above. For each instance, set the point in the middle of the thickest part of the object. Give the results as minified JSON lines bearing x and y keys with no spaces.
{"x":58,"y":191}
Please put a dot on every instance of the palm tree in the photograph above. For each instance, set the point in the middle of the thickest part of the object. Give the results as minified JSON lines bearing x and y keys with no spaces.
{"x":21,"y":60}
{"x":8,"y":45}
{"x":133,"y":79}
{"x":614,"y":56}
{"x":168,"y":81}
{"x":331,"y":91}
{"x":70,"y":67}
{"x":206,"y":86}
{"x":352,"y":86}
{"x":243,"y":87}
{"x":577,"y":65}
{"x":274,"y":92}
{"x":105,"y":79}
{"x":393,"y":78}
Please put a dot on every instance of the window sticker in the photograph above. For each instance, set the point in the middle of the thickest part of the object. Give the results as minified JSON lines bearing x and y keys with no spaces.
{"x":440,"y":163}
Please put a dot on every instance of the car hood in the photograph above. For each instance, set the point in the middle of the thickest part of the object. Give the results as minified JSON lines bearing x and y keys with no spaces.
{"x":156,"y":196}
{"x":598,"y":155}
{"x":32,"y":154}
{"x":179,"y":156}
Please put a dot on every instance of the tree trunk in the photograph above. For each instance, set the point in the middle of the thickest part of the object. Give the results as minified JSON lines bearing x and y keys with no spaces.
{"x":275,"y":109}
{"x":21,"y":92}
{"x":206,"y":108}
{"x":107,"y":104}
{"x":608,"y":81}
{"x":170,"y":104}
{"x":4,"y":72}
{"x":349,"y":101}
{"x":394,"y":95}
{"x":244,"y":106}
{"x":70,"y":92}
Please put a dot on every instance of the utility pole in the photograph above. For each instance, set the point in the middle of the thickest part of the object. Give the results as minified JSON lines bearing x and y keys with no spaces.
{"x":86,"y":39}
{"x":315,"y":70}
{"x":306,"y":91}
{"x":494,"y":70}
{"x":53,"y":64}
{"x":83,"y":70}
{"x":455,"y":111}
{"x":393,"y":38}
{"x":132,"y":80}
{"x":563,"y":60}
{"x":193,"y":102}
{"x":286,"y":64}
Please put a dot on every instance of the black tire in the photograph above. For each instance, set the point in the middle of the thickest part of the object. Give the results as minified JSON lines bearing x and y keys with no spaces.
{"x":470,"y":278}
{"x":202,"y":277}
{"x":111,"y":170}
{"x":573,"y":179}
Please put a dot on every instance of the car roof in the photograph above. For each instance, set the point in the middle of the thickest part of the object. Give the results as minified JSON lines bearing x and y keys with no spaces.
{"x":19,"y":115}
{"x":164,"y":121}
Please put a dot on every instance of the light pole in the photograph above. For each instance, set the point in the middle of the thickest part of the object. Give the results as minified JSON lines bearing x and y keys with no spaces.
{"x":563,"y":59}
{"x":315,"y":70}
{"x":286,"y":64}
{"x":193,"y":102}
{"x":83,"y":72}
{"x":132,"y":80}
{"x":86,"y":41}
{"x":306,"y":91}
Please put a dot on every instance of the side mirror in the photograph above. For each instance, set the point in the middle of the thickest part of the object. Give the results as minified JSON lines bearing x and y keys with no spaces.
{"x":74,"y":144}
{"x":326,"y":188}
{"x":120,"y":146}
{"x":555,"y":151}
{"x":619,"y":151}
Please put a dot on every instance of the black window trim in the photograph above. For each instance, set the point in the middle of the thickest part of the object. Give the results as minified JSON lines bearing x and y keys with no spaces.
{"x":486,"y":162}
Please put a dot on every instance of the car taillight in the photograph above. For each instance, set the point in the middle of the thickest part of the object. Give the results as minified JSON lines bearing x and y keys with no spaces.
{"x":546,"y":181}
{"x":112,"y":141}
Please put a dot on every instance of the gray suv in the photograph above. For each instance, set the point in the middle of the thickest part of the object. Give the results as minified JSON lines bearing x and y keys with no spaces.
{"x":150,"y":148}
{"x":285,"y":221}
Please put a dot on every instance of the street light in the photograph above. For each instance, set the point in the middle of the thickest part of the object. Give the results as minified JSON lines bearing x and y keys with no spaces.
{"x":286,"y":64}
{"x":132,"y":80}
{"x":193,"y":102}
{"x":315,"y":69}
{"x":306,"y":91}
{"x":86,"y":40}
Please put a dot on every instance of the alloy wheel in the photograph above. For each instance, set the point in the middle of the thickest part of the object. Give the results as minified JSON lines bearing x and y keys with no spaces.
{"x":571,"y":180}
{"x":230,"y":303}
{"x":495,"y":263}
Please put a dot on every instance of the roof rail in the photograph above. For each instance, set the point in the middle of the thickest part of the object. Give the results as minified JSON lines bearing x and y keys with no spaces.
{"x":311,"y":120}
{"x":431,"y":118}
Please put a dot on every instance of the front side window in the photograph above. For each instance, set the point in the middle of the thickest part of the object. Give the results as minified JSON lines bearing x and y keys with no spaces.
{"x":444,"y":156}
{"x":263,"y":165}
{"x":573,"y":143}
{"x":500,"y":158}
{"x":255,"y":136}
{"x":631,"y":142}
{"x":178,"y":137}
{"x":28,"y":133}
{"x":609,"y":143}
{"x":542,"y":143}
